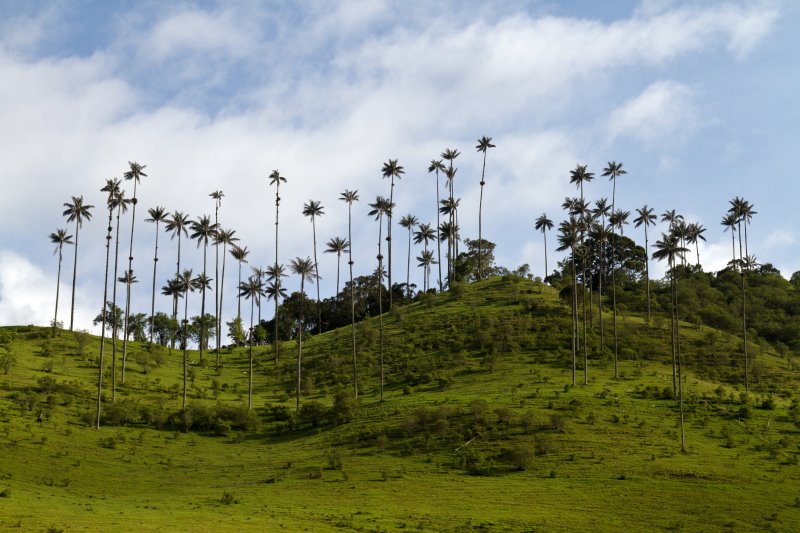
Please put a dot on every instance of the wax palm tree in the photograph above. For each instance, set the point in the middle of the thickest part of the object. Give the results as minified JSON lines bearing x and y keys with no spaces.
{"x":425,"y":261}
{"x":225,"y":237}
{"x":185,"y":284}
{"x":449,"y":207}
{"x":260,"y":273}
{"x":646,"y":218}
{"x":484,"y":143}
{"x":239,"y":253}
{"x":59,"y":238}
{"x":275,"y":178}
{"x":305,"y":269}
{"x":157,"y":215}
{"x":314,"y":209}
{"x":77,"y":211}
{"x":614,"y":170}
{"x":251,"y":290}
{"x":381,"y":207}
{"x":544,"y":224}
{"x":391,"y":170}
{"x":409,"y":222}
{"x":217,"y":196}
{"x":579,"y":176}
{"x":450,"y":155}
{"x":601,"y":210}
{"x":694,"y":234}
{"x":669,"y":248}
{"x":126,"y":279}
{"x":747,"y":213}
{"x":135,"y":174}
{"x":274,"y":290}
{"x":203,"y":230}
{"x":729,"y":222}
{"x":177,"y":225}
{"x":120,"y":203}
{"x":350,"y":197}
{"x":568,"y":240}
{"x":737,"y":210}
{"x":112,"y":187}
{"x":438,"y":166}
{"x":337,"y":245}
{"x":423,"y":235}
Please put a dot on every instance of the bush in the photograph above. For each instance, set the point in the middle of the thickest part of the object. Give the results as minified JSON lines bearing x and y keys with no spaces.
{"x":520,"y":456}
{"x":345,"y":408}
{"x":313,"y":413}
{"x":120,"y":413}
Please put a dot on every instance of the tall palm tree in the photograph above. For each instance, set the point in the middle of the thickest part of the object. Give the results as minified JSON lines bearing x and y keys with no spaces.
{"x":157,"y":215}
{"x":59,"y":238}
{"x":305,"y":269}
{"x":436,"y":166}
{"x":738,"y":208}
{"x":450,"y":155}
{"x":217,"y":196}
{"x":568,"y":240}
{"x":127,"y":279}
{"x":203,"y":230}
{"x":275,"y":290}
{"x":120,"y":203}
{"x":185,"y":284}
{"x":224,"y":237}
{"x":260,"y":273}
{"x":337,"y":245}
{"x":601,"y":210}
{"x":450,"y":207}
{"x":112,"y":187}
{"x":251,"y":290}
{"x":747,"y":213}
{"x":694,"y":234}
{"x":425,"y":261}
{"x":381,"y":207}
{"x":484,"y":143}
{"x":177,"y":225}
{"x":669,"y":248}
{"x":409,"y":222}
{"x":646,"y":218}
{"x":579,"y":176}
{"x":275,"y":178}
{"x":349,"y":197}
{"x":613,"y":170}
{"x":314,"y":209}
{"x":729,"y":221}
{"x":423,"y":235}
{"x":135,"y":174}
{"x":391,"y":170}
{"x":239,"y":253}
{"x":544,"y":224}
{"x":76,"y":211}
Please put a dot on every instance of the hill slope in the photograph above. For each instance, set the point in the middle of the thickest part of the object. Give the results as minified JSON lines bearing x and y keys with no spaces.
{"x":479,"y":429}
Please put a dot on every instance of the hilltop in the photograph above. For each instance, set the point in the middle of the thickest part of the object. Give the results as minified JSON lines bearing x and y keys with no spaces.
{"x":480,"y":429}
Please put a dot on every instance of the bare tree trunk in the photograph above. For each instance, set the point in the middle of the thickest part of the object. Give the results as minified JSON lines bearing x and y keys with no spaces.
{"x":128,"y":286}
{"x":103,"y":326}
{"x":300,"y":339}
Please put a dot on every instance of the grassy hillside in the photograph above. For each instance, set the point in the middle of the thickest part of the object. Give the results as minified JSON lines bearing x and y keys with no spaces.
{"x":479,"y":430}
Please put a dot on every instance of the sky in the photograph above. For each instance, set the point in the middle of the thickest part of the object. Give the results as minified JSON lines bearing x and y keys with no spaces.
{"x":697,"y":99}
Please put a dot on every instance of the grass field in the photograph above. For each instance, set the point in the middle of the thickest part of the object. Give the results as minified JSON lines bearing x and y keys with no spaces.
{"x":480,"y":430}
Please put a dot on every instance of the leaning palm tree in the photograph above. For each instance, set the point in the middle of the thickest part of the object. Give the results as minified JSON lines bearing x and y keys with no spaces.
{"x":127,"y":279}
{"x":694,"y":234}
{"x":669,"y":248}
{"x":135,"y":174}
{"x":203,"y":230}
{"x":381,"y":207}
{"x":484,"y":143}
{"x":568,"y":240}
{"x":251,"y":290}
{"x":314,"y":209}
{"x":337,"y":245}
{"x":613,"y":170}
{"x":436,"y":166}
{"x":185,"y":284}
{"x":157,"y":215}
{"x":59,"y":238}
{"x":408,"y":222}
{"x":177,"y":224}
{"x":391,"y":170}
{"x":217,"y":196}
{"x":224,"y":237}
{"x":239,"y":253}
{"x":305,"y":269}
{"x":349,"y":197}
{"x":76,"y":211}
{"x":544,"y":224}
{"x":646,"y":218}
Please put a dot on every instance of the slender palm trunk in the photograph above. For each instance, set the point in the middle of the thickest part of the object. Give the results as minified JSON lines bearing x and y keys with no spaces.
{"x":380,"y":300}
{"x":697,"y":249}
{"x":438,"y":236}
{"x":672,"y":332}
{"x":338,"y":268}
{"x":277,"y":281}
{"x":203,"y":306}
{"x":614,"y":282}
{"x":216,"y":283}
{"x":103,"y":325}
{"x":300,"y":339}
{"x":408,"y":266}
{"x":239,"y":298}
{"x":352,"y":298}
{"x":647,"y":271}
{"x":600,"y":285}
{"x":744,"y":315}
{"x":185,"y":341}
{"x":480,"y":221}
{"x":153,"y":301}
{"x":389,"y":238}
{"x":680,"y":366}
{"x":175,"y":296}
{"x":221,"y":294}
{"x":114,"y":313}
{"x":316,"y":275}
{"x":574,"y":317}
{"x":58,"y":287}
{"x":544,"y":238}
{"x":250,"y":371}
{"x":75,"y":274}
{"x":128,"y":287}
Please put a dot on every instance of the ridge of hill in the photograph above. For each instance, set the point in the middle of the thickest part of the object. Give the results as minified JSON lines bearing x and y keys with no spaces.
{"x":480,"y":429}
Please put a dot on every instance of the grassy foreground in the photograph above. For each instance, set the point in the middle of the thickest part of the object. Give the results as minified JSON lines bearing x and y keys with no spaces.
{"x":479,"y":431}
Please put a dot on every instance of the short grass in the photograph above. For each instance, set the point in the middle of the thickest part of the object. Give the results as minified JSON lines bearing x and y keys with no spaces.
{"x":480,"y":430}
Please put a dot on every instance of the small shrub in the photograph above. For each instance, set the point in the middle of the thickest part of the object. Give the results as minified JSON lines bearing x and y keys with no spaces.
{"x":313,"y":413}
{"x":228,"y":498}
{"x":520,"y":457}
{"x":5,"y":493}
{"x":108,"y":442}
{"x":334,"y":461}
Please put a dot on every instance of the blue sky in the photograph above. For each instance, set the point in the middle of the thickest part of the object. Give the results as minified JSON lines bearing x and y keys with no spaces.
{"x":698,"y":99}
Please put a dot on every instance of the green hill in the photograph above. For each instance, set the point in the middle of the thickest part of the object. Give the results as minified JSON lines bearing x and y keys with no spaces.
{"x":480,"y":429}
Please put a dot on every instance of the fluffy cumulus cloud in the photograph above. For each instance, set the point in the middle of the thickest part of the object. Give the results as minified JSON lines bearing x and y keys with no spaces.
{"x":215,"y":97}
